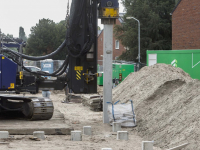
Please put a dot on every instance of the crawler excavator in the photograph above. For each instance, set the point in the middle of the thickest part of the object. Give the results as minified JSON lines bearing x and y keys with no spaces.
{"x":81,"y":43}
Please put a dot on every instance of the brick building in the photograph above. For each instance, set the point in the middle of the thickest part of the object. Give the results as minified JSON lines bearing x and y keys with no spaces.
{"x":186,"y":25}
{"x":118,"y":48}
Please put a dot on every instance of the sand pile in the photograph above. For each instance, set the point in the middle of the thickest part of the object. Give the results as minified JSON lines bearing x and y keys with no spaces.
{"x":167,"y":104}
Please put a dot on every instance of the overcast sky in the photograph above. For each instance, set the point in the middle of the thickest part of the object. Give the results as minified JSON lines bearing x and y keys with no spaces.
{"x":26,"y":13}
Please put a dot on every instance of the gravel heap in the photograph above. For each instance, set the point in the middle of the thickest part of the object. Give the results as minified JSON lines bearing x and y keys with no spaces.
{"x":167,"y":104}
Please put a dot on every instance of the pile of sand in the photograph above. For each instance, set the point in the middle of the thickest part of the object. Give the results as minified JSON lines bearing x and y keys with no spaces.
{"x":167,"y":104}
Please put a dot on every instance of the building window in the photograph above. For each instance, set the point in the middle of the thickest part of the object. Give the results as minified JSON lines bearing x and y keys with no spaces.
{"x":116,"y":44}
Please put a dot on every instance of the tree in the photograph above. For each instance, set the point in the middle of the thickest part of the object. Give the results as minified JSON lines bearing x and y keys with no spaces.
{"x":46,"y":37}
{"x":22,"y":34}
{"x":60,"y":37}
{"x":155,"y":27}
{"x":9,"y":35}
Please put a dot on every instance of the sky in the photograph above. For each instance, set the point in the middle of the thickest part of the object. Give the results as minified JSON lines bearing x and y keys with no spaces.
{"x":26,"y":13}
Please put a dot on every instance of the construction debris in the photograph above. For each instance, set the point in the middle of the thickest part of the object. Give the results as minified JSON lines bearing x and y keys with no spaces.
{"x":93,"y":101}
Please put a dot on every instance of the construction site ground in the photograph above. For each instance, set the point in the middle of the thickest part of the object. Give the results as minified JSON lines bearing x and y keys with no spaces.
{"x":76,"y":116}
{"x":56,"y":125}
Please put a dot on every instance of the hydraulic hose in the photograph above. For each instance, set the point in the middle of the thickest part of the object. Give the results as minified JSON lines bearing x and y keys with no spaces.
{"x":37,"y":57}
{"x":76,"y":17}
{"x":86,"y":46}
{"x":64,"y":65}
{"x":58,"y":72}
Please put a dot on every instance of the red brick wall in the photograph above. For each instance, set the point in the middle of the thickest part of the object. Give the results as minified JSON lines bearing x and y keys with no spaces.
{"x":186,"y":25}
{"x":116,"y":52}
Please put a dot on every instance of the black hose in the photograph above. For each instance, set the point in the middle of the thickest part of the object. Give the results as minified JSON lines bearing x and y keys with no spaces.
{"x":87,"y":46}
{"x":58,"y":72}
{"x":74,"y":22}
{"x":65,"y":64}
{"x":37,"y":57}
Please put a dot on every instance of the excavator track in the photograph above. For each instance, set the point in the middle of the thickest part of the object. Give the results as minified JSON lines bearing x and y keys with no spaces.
{"x":40,"y":109}
{"x":33,"y":108}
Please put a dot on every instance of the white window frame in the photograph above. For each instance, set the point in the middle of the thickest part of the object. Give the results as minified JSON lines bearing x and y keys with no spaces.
{"x":116,"y":44}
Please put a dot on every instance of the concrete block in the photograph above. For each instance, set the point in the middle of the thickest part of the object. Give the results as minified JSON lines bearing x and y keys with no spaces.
{"x":122,"y":135}
{"x":39,"y":134}
{"x":116,"y":126}
{"x":4,"y":134}
{"x":87,"y":130}
{"x":106,"y":149}
{"x":76,"y":136}
{"x":147,"y":145}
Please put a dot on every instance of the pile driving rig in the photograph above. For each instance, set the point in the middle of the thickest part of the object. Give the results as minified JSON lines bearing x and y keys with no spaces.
{"x":81,"y":43}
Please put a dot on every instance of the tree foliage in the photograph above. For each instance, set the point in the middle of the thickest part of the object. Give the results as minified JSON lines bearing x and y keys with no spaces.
{"x":46,"y":37}
{"x":155,"y":27}
{"x":8,"y":35}
{"x":22,"y":34}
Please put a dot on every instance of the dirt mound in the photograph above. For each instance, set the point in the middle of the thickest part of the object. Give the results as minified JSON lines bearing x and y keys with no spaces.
{"x":166,"y":102}
{"x":172,"y":119}
{"x":140,"y":85}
